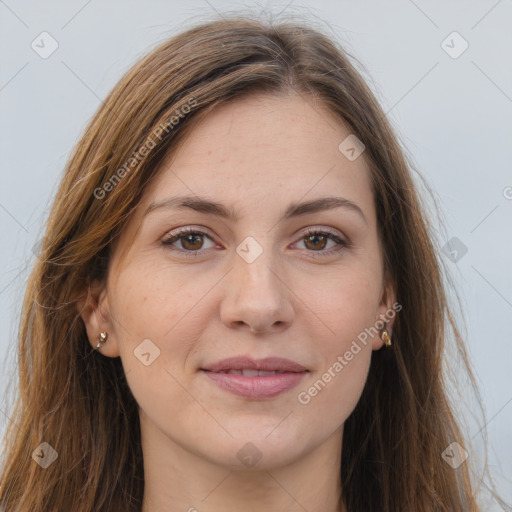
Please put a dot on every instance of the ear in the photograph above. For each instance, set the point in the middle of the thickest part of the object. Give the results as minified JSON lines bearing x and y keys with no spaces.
{"x":387,"y":311}
{"x":94,"y":309}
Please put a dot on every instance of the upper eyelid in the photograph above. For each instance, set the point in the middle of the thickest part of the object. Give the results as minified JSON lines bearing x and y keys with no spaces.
{"x":183,"y":231}
{"x":207,"y":232}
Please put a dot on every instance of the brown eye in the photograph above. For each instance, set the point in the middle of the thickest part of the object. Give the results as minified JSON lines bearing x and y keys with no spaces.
{"x":191,"y":241}
{"x":316,"y":241}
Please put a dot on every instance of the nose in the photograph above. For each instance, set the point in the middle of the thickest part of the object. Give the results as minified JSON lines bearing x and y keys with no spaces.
{"x":257,"y":297}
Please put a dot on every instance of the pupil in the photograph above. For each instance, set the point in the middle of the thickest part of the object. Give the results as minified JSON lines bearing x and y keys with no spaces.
{"x":190,"y":239}
{"x":312,"y":237}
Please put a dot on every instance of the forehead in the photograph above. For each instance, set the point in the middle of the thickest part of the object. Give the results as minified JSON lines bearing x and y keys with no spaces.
{"x":265,"y":149}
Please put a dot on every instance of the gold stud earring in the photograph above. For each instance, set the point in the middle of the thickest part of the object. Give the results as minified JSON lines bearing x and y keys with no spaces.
{"x":385,"y":338}
{"x":102,"y":339}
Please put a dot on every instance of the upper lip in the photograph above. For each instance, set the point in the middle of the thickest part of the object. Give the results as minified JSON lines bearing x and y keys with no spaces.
{"x":246,"y":363}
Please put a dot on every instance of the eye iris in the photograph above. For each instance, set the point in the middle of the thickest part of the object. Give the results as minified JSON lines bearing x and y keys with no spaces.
{"x":322,"y":244}
{"x":187,"y":239}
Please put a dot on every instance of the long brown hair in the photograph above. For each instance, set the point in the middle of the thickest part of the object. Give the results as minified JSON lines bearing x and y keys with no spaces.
{"x":78,"y":401}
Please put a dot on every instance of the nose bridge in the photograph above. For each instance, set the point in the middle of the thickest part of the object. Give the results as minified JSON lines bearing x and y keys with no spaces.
{"x":255,"y":266}
{"x":257,"y":294}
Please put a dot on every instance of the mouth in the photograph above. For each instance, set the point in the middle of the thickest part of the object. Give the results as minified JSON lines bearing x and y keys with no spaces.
{"x":255,"y":379}
{"x":251,"y":373}
{"x":243,"y":363}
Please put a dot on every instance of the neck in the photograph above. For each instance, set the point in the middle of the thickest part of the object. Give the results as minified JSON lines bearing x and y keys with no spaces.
{"x":178,"y":480}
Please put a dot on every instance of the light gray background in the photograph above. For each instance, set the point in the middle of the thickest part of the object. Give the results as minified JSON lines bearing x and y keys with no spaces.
{"x":453,"y":115}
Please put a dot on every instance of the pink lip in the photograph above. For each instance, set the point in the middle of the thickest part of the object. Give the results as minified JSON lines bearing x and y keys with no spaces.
{"x":246,"y":363}
{"x":261,"y":386}
{"x":256,"y":387}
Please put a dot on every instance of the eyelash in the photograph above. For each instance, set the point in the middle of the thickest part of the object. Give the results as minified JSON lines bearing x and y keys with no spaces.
{"x":174,"y":237}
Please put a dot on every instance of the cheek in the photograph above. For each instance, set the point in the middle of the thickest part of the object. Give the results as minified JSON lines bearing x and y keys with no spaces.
{"x":346,"y":302}
{"x":348,"y":307}
{"x":157,"y":323}
{"x":153,"y":301}
{"x":334,"y":388}
{"x":158,"y":320}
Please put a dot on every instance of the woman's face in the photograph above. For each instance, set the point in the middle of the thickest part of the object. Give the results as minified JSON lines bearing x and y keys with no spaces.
{"x":258,"y":285}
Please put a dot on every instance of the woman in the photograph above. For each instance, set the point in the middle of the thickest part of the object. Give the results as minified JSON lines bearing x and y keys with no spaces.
{"x":238,"y":305}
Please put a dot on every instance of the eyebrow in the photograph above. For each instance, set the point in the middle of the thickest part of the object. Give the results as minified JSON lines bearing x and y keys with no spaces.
{"x":295,"y":209}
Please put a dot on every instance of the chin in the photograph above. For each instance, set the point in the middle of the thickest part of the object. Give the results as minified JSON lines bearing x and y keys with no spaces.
{"x":250,"y":449}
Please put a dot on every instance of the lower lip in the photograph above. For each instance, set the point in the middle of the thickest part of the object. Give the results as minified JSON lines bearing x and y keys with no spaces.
{"x":265,"y":386}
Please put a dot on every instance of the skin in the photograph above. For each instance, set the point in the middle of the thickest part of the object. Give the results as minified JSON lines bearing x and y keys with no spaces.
{"x":255,"y":155}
